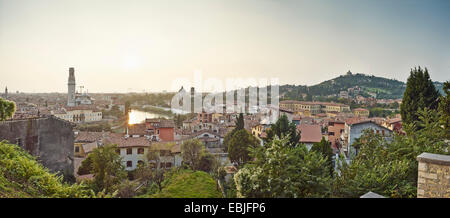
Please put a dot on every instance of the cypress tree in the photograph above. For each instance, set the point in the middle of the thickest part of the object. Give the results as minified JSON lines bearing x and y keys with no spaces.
{"x":420,"y":93}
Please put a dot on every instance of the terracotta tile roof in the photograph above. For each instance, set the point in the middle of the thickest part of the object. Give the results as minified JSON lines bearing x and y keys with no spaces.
{"x":137,"y":129}
{"x":89,"y":136}
{"x":310,"y":133}
{"x":163,"y":123}
{"x":173,"y":146}
{"x":124,"y":142}
{"x":356,"y":120}
{"x":167,"y":124}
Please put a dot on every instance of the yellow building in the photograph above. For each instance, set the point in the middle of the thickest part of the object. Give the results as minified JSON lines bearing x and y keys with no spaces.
{"x":257,"y":130}
{"x":361,"y":112}
{"x":313,"y":107}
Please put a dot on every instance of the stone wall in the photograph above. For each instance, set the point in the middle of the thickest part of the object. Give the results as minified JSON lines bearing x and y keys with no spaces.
{"x":434,"y":176}
{"x":50,"y":139}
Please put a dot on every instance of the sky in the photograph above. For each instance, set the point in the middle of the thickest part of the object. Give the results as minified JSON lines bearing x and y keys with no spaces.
{"x":123,"y":46}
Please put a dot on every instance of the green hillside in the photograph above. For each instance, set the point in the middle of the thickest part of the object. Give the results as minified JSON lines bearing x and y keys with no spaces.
{"x":366,"y":84}
{"x":188,"y":184}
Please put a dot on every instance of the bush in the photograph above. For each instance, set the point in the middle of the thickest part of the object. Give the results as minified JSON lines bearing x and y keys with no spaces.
{"x":22,"y":176}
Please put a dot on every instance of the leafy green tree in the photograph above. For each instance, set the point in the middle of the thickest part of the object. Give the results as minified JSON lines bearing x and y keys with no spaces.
{"x":420,"y":93}
{"x":283,"y":128}
{"x":192,"y":152}
{"x":86,"y":166}
{"x":323,"y":147}
{"x":208,"y":163}
{"x":240,"y":122}
{"x":107,"y":168}
{"x":280,"y":170}
{"x":389,"y":167}
{"x":239,"y":145}
{"x":7,"y":109}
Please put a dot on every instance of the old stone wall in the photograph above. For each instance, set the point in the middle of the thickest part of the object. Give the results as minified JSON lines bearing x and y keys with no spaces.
{"x":50,"y":139}
{"x":434,"y":176}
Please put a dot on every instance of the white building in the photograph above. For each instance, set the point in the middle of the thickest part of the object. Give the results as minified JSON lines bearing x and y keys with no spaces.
{"x":79,"y":114}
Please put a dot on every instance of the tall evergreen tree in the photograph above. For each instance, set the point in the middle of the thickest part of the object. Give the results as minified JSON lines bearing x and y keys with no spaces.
{"x":283,"y":128}
{"x":420,"y":93}
{"x":444,"y":108}
{"x":323,"y":147}
{"x":240,"y":122}
{"x":239,"y":126}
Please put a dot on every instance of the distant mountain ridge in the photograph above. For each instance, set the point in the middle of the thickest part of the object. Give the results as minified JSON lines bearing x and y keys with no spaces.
{"x":354,"y":83}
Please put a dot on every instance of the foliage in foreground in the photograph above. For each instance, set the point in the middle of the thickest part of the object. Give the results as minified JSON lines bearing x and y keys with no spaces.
{"x":22,"y":176}
{"x":390,"y":168}
{"x":182,"y":183}
{"x":281,"y":170}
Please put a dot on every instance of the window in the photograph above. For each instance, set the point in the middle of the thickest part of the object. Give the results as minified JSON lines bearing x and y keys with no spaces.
{"x":161,"y":165}
{"x":129,"y":163}
{"x":168,"y":165}
{"x":118,"y":151}
{"x":331,"y":133}
{"x":77,"y":149}
{"x":157,"y":131}
{"x":140,"y":150}
{"x":129,"y":151}
{"x":140,"y":162}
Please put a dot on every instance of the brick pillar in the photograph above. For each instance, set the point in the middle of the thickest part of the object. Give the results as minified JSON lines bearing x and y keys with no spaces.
{"x":434,"y":176}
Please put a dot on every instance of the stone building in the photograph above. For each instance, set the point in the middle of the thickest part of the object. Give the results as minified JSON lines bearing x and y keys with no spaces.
{"x":433,"y":176}
{"x":48,"y":138}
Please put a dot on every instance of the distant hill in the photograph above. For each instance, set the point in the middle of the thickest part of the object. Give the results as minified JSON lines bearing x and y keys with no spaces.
{"x":359,"y":84}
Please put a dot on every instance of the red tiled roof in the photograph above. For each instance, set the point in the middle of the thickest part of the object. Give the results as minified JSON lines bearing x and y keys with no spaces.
{"x":310,"y":133}
{"x":89,"y":136}
{"x":137,"y":129}
{"x":163,"y":123}
{"x":123,"y":142}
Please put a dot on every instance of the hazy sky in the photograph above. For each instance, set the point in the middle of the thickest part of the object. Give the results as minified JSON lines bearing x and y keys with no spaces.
{"x":120,"y":46}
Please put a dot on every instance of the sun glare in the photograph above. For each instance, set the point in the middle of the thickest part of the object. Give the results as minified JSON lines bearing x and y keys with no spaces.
{"x":130,"y":62}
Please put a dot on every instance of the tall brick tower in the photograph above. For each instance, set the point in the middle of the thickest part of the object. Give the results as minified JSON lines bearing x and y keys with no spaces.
{"x":71,"y":88}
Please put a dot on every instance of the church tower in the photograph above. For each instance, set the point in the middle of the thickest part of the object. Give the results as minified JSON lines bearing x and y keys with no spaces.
{"x":71,"y":88}
{"x":6,"y":92}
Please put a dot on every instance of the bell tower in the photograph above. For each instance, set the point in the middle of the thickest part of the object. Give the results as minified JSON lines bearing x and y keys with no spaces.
{"x":71,"y":88}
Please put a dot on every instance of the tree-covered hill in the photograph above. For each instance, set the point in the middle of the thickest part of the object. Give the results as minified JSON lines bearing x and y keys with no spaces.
{"x":365,"y":85}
